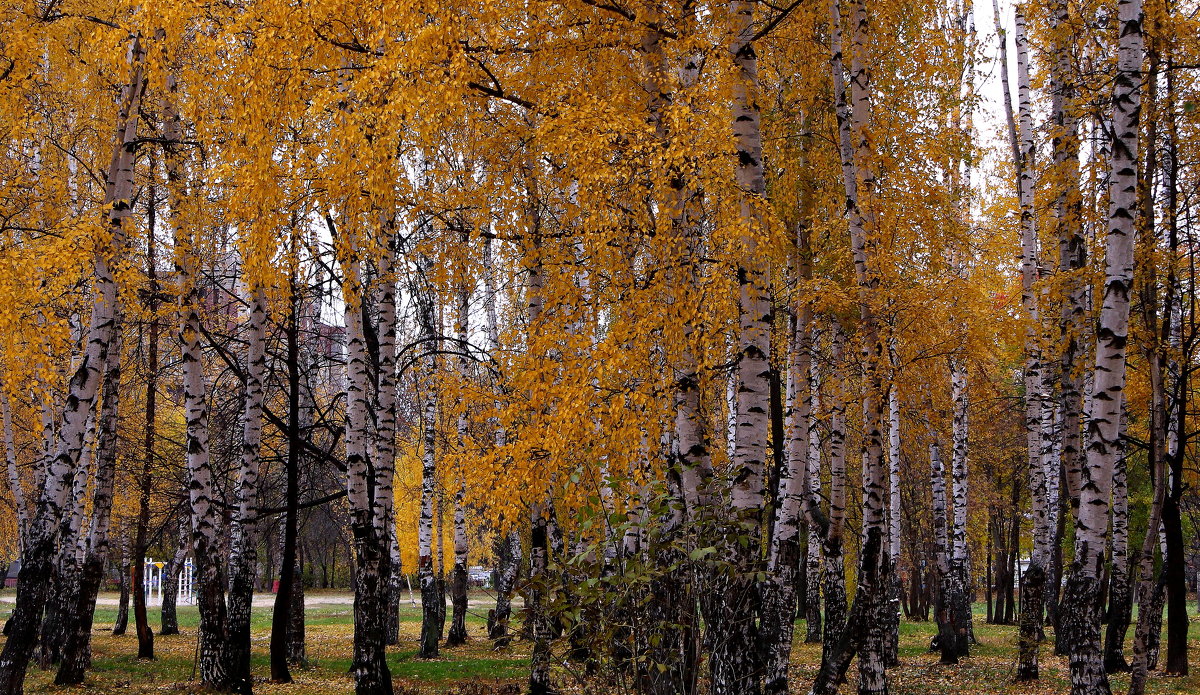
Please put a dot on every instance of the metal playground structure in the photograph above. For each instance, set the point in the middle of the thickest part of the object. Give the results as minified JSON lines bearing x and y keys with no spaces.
{"x":155,"y":576}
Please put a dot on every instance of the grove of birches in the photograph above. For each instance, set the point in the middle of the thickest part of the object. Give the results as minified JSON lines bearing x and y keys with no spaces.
{"x":708,"y":329}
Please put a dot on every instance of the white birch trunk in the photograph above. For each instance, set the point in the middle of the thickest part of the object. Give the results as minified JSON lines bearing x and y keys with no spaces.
{"x":42,"y":531}
{"x":733,"y":660}
{"x":813,"y":476}
{"x":458,"y":593}
{"x":76,"y":648}
{"x":509,"y":560}
{"x":894,"y":474}
{"x":958,"y":535}
{"x":1103,"y":440}
{"x":427,"y":572}
{"x":243,"y":544}
{"x":853,"y":110}
{"x":385,"y":440}
{"x":1021,"y":141}
{"x":369,"y":666}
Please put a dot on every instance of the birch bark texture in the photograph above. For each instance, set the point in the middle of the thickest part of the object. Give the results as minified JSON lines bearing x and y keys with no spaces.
{"x":1103,"y":442}
{"x":83,"y":388}
{"x":369,"y":666}
{"x":734,"y":661}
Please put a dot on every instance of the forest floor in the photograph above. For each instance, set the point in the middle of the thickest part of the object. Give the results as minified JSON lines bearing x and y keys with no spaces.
{"x":476,"y":669}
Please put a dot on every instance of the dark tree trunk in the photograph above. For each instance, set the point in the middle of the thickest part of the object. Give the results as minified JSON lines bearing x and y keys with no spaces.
{"x":778,"y":618}
{"x":140,"y":618}
{"x":1032,"y":594}
{"x":736,"y":666}
{"x":538,"y":622}
{"x":1174,"y":575}
{"x":145,"y":483}
{"x":812,"y":608}
{"x":458,"y":598}
{"x":1150,"y":606}
{"x":963,"y":597}
{"x":1154,"y":612}
{"x":987,"y":584}
{"x":297,"y":651}
{"x":370,"y":669}
{"x":394,"y":588}
{"x":77,"y":654}
{"x":802,"y":574}
{"x":1081,"y":625}
{"x":237,"y":626}
{"x":944,"y":617}
{"x":1120,"y":612}
{"x":891,"y":610}
{"x":170,"y":588}
{"x":1014,"y":544}
{"x":33,"y":581}
{"x":122,"y":621}
{"x":281,"y":619}
{"x":55,"y":622}
{"x":858,"y":623}
{"x":509,"y":566}
{"x":834,"y":595}
{"x":1054,"y":580}
{"x":431,"y":633}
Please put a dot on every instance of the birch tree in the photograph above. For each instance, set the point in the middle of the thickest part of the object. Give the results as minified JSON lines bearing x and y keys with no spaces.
{"x":33,"y":582}
{"x":1104,"y":414}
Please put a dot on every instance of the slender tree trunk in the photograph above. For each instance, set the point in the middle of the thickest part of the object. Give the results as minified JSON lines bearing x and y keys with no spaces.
{"x":281,"y":616}
{"x":539,"y":673}
{"x":735,"y":665}
{"x":384,"y":461}
{"x":38,"y":558}
{"x":784,"y":559}
{"x":1174,"y":561}
{"x":509,"y":545}
{"x":170,"y":585}
{"x":297,"y":654}
{"x":1033,"y":581}
{"x":1177,"y":620}
{"x":1150,"y":588}
{"x":243,"y":556}
{"x":122,"y":621}
{"x":77,"y":657}
{"x":959,"y":558}
{"x":506,"y":582}
{"x":146,"y":483}
{"x":834,"y":570}
{"x":987,"y":592}
{"x":369,"y":667}
{"x":428,"y":574}
{"x":895,"y":589}
{"x":1104,"y":445}
{"x":947,"y":586}
{"x":815,"y":537}
{"x":59,"y":617}
{"x":458,"y":579}
{"x":866,"y":636}
{"x":1072,"y":313}
{"x":439,"y":562}
{"x":1120,"y":602}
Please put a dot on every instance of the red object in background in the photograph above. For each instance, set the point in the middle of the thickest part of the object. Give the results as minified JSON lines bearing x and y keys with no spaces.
{"x":275,"y":587}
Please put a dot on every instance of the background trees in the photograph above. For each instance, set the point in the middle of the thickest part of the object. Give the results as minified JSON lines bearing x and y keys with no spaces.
{"x":715,"y":299}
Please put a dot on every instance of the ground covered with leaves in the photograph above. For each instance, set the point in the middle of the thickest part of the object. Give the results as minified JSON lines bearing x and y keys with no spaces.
{"x":477,"y":669}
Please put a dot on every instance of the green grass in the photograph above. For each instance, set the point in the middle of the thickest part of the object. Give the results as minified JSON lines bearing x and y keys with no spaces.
{"x":329,"y":632}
